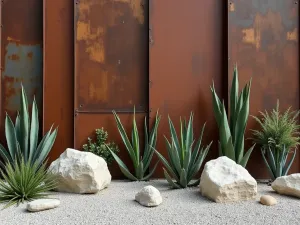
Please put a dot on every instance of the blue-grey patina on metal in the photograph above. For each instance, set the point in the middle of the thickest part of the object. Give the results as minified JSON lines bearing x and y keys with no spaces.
{"x":23,"y":64}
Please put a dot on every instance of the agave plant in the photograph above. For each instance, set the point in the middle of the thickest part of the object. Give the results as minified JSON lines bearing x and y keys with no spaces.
{"x":276,"y":161}
{"x":22,"y":137}
{"x":231,"y":134}
{"x":185,"y":159}
{"x":24,"y":181}
{"x":140,"y":163}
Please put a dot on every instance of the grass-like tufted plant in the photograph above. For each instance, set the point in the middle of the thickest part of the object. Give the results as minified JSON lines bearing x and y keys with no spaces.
{"x":278,"y":137}
{"x":24,"y":181}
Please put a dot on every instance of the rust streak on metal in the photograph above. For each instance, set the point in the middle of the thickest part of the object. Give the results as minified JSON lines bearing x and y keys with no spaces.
{"x":251,"y":37}
{"x":292,"y":35}
{"x":29,"y":55}
{"x":260,"y":24}
{"x":94,"y":35}
{"x":136,"y":7}
{"x":99,"y":90}
{"x":93,"y":40}
{"x":12,"y":39}
{"x":231,"y":7}
{"x":14,"y":57}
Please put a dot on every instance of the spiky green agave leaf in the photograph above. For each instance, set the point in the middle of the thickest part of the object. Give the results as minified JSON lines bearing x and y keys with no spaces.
{"x":124,"y":169}
{"x":234,"y":100}
{"x":231,"y":135}
{"x":24,"y":124}
{"x":140,"y":164}
{"x":11,"y":137}
{"x":34,"y":129}
{"x":185,"y":159}
{"x":276,"y":162}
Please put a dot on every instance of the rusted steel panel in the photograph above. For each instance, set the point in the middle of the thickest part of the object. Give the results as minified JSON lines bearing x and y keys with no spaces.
{"x":21,"y":54}
{"x":185,"y":57}
{"x":110,"y":55}
{"x":90,"y":122}
{"x":58,"y":72}
{"x":111,"y":67}
{"x":263,"y":40}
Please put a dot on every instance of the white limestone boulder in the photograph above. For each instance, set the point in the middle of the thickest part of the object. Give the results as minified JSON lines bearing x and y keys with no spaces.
{"x":149,"y":196}
{"x":80,"y":172}
{"x":223,"y":180}
{"x":288,"y":185}
{"x":42,"y":204}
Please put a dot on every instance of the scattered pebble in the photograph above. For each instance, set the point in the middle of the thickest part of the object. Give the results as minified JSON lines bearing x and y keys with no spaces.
{"x":42,"y":204}
{"x":268,"y":200}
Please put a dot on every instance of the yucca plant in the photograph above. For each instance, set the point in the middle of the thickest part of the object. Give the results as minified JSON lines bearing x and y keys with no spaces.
{"x":140,"y":163}
{"x":185,"y":158}
{"x":278,"y":137}
{"x":276,"y":161}
{"x":24,"y":181}
{"x":231,"y":133}
{"x":22,"y":137}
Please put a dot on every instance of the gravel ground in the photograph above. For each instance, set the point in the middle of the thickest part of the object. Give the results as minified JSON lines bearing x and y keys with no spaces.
{"x":116,"y":205}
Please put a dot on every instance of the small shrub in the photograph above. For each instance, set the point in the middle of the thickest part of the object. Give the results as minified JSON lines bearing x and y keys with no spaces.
{"x":277,"y":137}
{"x":25,"y":181}
{"x":99,"y":147}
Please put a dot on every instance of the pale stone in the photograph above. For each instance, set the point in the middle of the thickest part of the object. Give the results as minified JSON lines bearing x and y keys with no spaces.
{"x":223,"y":180}
{"x":288,"y":185}
{"x":80,"y":172}
{"x":149,"y":196}
{"x":268,"y":200}
{"x":42,"y":204}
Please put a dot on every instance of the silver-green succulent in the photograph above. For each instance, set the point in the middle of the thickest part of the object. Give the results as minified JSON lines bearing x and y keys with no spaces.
{"x":276,"y":161}
{"x":185,"y":158}
{"x":22,"y":137}
{"x":140,"y":163}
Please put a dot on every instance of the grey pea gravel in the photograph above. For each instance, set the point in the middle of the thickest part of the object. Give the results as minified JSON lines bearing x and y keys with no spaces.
{"x":115,"y":205}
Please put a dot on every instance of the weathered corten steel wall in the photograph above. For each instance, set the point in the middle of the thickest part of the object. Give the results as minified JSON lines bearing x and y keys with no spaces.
{"x":21,"y":55}
{"x":84,"y":58}
{"x":58,"y":74}
{"x":186,"y":55}
{"x":263,"y":40}
{"x":111,"y":67}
